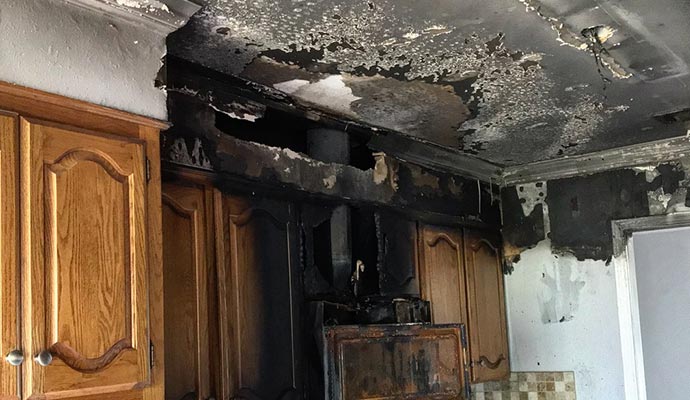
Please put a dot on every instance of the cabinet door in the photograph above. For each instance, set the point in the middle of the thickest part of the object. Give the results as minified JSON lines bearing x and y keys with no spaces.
{"x":442,"y":273}
{"x":487,"y":319}
{"x":84,"y":263}
{"x":262,"y":297}
{"x":9,"y":277}
{"x":186,"y":264}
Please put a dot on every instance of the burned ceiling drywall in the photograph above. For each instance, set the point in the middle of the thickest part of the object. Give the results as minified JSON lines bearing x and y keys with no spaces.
{"x":510,"y":81}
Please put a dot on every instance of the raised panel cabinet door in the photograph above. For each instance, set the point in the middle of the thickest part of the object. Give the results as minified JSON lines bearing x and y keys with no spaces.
{"x":84,"y":264}
{"x":442,"y":273}
{"x":186,"y":265}
{"x":9,"y":276}
{"x":487,"y":318}
{"x":262,"y":294}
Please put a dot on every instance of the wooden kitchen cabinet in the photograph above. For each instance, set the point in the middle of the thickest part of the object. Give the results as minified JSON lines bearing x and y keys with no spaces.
{"x":188,"y":263}
{"x":9,"y":269}
{"x":80,"y":249}
{"x":461,"y":276}
{"x":260,"y":310}
{"x":486,"y":308}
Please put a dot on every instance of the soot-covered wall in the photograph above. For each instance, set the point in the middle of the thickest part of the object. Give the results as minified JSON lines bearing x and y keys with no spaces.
{"x":576,"y":213}
{"x":561,"y":296}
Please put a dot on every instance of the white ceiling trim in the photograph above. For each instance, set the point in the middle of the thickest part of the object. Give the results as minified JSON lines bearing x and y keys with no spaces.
{"x":622,"y":157}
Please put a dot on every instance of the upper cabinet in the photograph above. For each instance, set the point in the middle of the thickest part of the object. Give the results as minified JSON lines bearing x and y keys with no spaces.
{"x":486,"y":309}
{"x":84,"y":256}
{"x":442,"y":269}
{"x":80,"y":230}
{"x":10,"y":348}
{"x":461,"y":276}
{"x":188,"y":263}
{"x":261,"y":298}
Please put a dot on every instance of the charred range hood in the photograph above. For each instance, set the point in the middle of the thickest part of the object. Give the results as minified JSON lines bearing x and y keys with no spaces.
{"x":372,"y":343}
{"x":411,"y":361}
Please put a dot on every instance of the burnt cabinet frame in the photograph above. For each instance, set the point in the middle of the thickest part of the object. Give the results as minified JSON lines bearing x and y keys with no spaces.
{"x":192,"y":201}
{"x":246,"y":285}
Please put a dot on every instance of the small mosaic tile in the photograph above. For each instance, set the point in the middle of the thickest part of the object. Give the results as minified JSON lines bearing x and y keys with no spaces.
{"x":528,"y":386}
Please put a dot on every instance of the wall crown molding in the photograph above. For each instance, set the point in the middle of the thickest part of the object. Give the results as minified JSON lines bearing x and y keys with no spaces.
{"x":648,"y":153}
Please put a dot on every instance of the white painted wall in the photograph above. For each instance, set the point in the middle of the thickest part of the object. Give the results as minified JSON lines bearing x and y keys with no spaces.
{"x":63,"y":49}
{"x":546,"y":288}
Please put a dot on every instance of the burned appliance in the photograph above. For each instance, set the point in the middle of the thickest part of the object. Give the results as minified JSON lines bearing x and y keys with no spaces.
{"x":397,"y":361}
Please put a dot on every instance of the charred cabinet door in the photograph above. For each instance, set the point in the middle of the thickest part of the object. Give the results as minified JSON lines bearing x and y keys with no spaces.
{"x":187,"y":261}
{"x":487,"y":319}
{"x":10,"y":348}
{"x":262,"y":294}
{"x":443,"y":274}
{"x":83,"y":263}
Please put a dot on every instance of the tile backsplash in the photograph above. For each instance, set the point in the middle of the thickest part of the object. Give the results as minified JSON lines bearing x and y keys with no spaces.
{"x":528,"y":386}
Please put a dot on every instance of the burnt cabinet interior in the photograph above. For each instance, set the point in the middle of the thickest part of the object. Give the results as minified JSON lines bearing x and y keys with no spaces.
{"x":79,"y":248}
{"x":463,"y":280}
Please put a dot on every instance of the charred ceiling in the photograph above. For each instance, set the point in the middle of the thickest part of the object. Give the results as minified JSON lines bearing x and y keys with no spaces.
{"x":509,"y":81}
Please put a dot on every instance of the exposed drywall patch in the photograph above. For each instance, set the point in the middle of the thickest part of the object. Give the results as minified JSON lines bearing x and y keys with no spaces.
{"x":386,"y":168}
{"x":330,"y":92}
{"x":650,"y":172}
{"x":149,"y":4}
{"x":521,"y":229}
{"x":658,"y":201}
{"x":531,"y":194}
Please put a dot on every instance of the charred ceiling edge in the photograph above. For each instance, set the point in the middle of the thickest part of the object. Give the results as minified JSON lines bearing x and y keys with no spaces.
{"x":629,"y":156}
{"x":162,"y":16}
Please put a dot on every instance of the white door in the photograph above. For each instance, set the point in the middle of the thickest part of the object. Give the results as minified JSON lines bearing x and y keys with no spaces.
{"x":662,"y":272}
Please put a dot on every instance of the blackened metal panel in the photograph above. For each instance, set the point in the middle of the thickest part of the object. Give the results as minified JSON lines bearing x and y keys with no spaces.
{"x":397,"y":255}
{"x":407,"y":361}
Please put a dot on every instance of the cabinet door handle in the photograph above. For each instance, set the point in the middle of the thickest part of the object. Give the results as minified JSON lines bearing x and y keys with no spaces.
{"x":15,"y":357}
{"x":44,"y":358}
{"x":485,"y":362}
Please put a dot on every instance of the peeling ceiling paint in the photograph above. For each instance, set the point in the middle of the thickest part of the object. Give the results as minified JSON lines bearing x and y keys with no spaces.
{"x":330,"y":92}
{"x":510,"y":81}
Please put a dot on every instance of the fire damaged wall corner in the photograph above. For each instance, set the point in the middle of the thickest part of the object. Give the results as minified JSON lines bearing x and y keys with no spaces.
{"x":576,"y":213}
{"x":581,"y":210}
{"x":520,"y":230}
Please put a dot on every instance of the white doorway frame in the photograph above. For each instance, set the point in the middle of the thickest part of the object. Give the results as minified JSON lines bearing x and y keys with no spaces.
{"x":626,"y":294}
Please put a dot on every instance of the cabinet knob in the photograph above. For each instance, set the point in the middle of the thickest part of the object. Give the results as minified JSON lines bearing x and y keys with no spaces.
{"x":44,"y":358}
{"x":15,"y":357}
